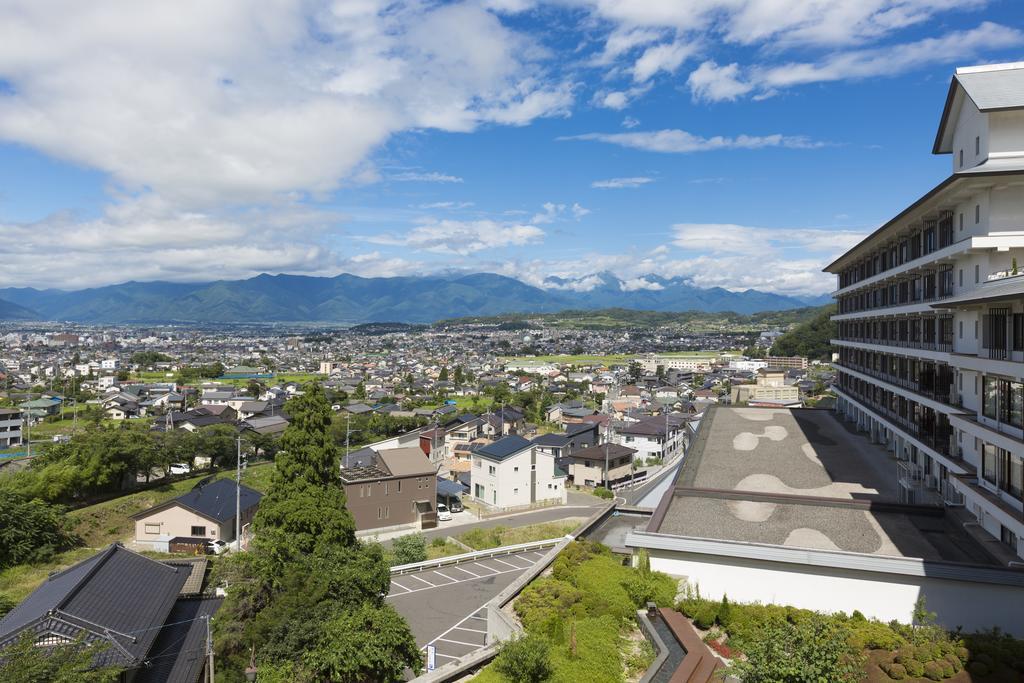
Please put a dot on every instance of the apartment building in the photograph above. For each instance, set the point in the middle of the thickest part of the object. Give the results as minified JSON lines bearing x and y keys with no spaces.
{"x":931,"y":316}
{"x":769,"y":389}
{"x":10,"y":427}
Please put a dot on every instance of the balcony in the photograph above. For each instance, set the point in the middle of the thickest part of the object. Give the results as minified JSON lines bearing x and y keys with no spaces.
{"x":936,"y":436}
{"x":936,"y":390}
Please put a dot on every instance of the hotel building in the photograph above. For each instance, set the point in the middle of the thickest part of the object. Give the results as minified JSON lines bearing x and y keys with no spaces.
{"x":931,"y":317}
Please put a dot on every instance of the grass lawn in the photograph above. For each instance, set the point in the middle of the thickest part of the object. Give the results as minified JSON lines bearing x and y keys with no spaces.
{"x":103,"y":523}
{"x":484,"y":539}
{"x":110,"y":521}
{"x":447,"y":549}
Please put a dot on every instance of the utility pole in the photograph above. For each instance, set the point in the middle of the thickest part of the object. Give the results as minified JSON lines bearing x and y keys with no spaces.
{"x":209,"y":647}
{"x":238,"y":498}
{"x":607,"y":445}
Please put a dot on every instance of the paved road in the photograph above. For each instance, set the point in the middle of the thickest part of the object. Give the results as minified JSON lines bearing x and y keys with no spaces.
{"x":443,"y":606}
{"x":650,"y":492}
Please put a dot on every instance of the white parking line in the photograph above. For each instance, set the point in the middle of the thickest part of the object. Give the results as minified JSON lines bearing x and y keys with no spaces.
{"x":496,"y":571}
{"x":440,"y":575}
{"x":463,"y":620}
{"x":458,"y":642}
{"x":480,"y":618}
{"x":413,"y":576}
{"x":466,"y":571}
{"x":472,"y":630}
{"x":507,"y":564}
{"x":441,"y":654}
{"x":395,"y":583}
{"x":442,"y":585}
{"x":445,"y":576}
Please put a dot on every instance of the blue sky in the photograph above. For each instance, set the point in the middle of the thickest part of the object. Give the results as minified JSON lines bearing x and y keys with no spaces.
{"x":735,"y":143}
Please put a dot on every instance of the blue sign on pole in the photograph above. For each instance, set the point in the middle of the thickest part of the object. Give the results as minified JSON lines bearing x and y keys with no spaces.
{"x":431,"y":657}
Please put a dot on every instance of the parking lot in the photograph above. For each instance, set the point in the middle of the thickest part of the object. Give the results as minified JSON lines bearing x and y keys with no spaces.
{"x":444,"y":606}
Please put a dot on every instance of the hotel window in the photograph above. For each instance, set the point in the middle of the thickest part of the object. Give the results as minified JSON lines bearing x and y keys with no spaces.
{"x":398,"y":488}
{"x":977,"y":213}
{"x":1008,"y":537}
{"x":977,"y":273}
{"x":961,"y":278}
{"x":977,"y":145}
{"x":961,"y":158}
{"x":152,"y":528}
{"x":989,"y":464}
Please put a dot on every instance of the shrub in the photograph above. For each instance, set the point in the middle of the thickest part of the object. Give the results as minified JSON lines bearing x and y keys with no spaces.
{"x":706,"y":615}
{"x":721,"y":648}
{"x":947,"y":668}
{"x":815,"y":648}
{"x":604,"y":493}
{"x":893,"y":670}
{"x":524,"y":660}
{"x":409,"y":548}
{"x":544,"y":598}
{"x":438,"y":542}
{"x":596,"y":656}
{"x":955,"y":662}
{"x":874,"y":635}
{"x":483,"y":539}
{"x":601,"y":580}
{"x":933,"y":671}
{"x":915,"y":669}
{"x":924,"y":653}
{"x":724,"y":612}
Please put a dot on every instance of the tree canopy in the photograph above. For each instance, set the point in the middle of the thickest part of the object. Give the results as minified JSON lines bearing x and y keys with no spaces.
{"x":308,"y":595}
{"x":811,"y":339}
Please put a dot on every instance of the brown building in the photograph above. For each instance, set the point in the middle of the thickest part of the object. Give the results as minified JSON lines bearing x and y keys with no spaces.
{"x":397,"y":487}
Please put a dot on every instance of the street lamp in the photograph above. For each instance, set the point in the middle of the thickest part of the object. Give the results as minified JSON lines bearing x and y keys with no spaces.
{"x":250,"y":671}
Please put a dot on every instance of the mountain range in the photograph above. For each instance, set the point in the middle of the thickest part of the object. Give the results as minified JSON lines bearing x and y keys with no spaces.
{"x":353,"y":299}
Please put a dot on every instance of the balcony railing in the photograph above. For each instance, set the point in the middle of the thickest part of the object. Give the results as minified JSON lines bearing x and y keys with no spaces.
{"x":947,"y":395}
{"x":935,"y":436}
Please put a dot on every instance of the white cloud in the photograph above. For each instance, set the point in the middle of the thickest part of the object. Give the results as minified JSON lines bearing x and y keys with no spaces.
{"x":729,"y":238}
{"x":666,"y":57}
{"x":712,"y":82}
{"x":552,"y":212}
{"x":239,"y":102}
{"x":639,"y":283}
{"x":619,"y":183}
{"x":445,"y":205}
{"x":680,"y":141}
{"x":461,"y":237}
{"x":630,"y":122}
{"x":430,"y":177}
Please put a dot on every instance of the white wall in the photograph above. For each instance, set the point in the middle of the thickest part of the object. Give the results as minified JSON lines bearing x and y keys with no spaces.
{"x":1007,"y":133}
{"x":970,"y":123}
{"x":972,"y":605}
{"x":509,"y":486}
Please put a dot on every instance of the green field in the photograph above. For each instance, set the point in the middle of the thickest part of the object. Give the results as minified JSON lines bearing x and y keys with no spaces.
{"x":279,"y":377}
{"x":609,"y":359}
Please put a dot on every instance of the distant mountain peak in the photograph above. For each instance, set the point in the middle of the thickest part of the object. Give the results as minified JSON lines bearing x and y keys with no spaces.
{"x":351,"y":298}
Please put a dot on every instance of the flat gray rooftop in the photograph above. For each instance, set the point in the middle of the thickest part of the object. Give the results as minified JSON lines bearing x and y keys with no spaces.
{"x":801,"y":478}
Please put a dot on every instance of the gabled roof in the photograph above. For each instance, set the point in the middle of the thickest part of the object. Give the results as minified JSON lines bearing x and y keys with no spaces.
{"x":405,"y":462}
{"x":214,"y":501}
{"x":503,"y":448}
{"x":115,"y":596}
{"x":552,"y":439}
{"x":992,"y":87}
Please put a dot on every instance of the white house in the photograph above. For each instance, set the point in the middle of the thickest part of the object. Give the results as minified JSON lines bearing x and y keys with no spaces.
{"x":512,"y":472}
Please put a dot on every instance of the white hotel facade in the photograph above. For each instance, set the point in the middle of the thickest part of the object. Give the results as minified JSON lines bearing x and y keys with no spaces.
{"x":931,"y":316}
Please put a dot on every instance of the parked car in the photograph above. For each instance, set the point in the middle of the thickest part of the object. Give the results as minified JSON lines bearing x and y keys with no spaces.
{"x":216,"y":547}
{"x":181,"y":468}
{"x":443,"y":515}
{"x":455,"y":505}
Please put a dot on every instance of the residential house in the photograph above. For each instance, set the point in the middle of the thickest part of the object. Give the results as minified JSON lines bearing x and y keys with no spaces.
{"x":10,"y":427}
{"x":144,"y":617}
{"x":206,"y":512}
{"x":587,"y":466}
{"x":395,"y":487}
{"x":657,"y":436}
{"x":512,"y":472}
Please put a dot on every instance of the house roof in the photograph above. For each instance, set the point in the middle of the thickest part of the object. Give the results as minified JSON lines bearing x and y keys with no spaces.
{"x":116,"y":596}
{"x":179,"y":652}
{"x":552,"y":439}
{"x":405,"y":462}
{"x":215,"y":501}
{"x":615,"y":450}
{"x":992,"y":87}
{"x":504,"y":447}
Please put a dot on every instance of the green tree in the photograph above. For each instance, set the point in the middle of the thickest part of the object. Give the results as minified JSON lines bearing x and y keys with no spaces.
{"x":443,"y":376}
{"x":812,"y":338}
{"x":360,"y":392}
{"x":25,"y":661}
{"x":459,"y":377}
{"x":305,"y":505}
{"x":811,"y":650}
{"x":409,"y":548}
{"x":31,"y":530}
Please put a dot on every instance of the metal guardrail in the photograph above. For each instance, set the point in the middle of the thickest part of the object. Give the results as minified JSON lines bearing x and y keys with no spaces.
{"x":400,"y":569}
